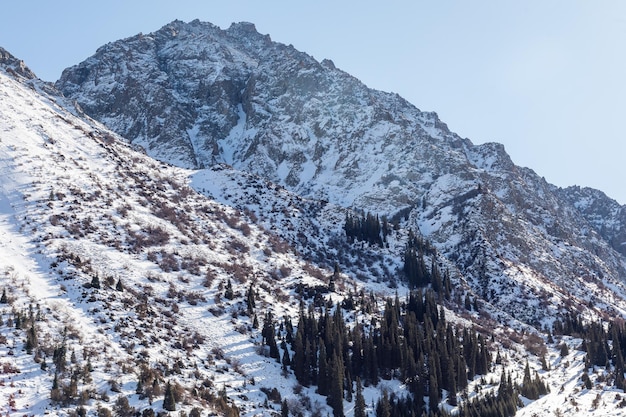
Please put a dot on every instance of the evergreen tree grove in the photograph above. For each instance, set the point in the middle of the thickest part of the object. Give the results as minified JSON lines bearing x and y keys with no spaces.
{"x":412,"y":341}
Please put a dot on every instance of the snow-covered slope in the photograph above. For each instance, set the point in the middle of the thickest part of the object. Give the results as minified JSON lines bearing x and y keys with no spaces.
{"x":120,"y":267}
{"x":77,"y":206}
{"x":195,"y":95}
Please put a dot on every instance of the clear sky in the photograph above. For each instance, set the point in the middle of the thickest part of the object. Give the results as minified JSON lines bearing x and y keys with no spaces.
{"x":543,"y":77}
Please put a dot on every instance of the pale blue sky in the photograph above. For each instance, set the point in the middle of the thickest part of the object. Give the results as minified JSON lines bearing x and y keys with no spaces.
{"x":545,"y":78}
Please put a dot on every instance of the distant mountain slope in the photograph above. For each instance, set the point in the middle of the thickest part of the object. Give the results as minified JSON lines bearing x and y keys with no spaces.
{"x":606,"y":215}
{"x":195,"y":95}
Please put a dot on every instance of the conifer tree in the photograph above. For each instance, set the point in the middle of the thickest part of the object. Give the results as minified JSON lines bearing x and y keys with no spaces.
{"x":286,"y":361}
{"x":322,"y":371}
{"x":310,"y":364}
{"x":169,"y":402}
{"x":95,"y":282}
{"x":228,"y":292}
{"x":335,"y":386}
{"x":383,"y":409}
{"x":334,"y":278}
{"x":433,"y":394}
{"x":4,"y":299}
{"x":461,"y":373}
{"x":359,"y":400}
{"x":284,"y":409}
{"x":297,"y":363}
{"x":452,"y":389}
{"x":250,"y":303}
{"x":31,"y":339}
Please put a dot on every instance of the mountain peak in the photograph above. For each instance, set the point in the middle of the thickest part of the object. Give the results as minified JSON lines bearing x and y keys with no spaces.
{"x":243,"y":27}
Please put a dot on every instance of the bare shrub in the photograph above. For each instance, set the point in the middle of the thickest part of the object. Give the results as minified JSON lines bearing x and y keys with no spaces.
{"x":239,"y":271}
{"x":152,"y":256}
{"x":236,"y":365}
{"x":231,"y":221}
{"x":194,"y":297}
{"x":314,"y":271}
{"x":535,"y":344}
{"x":285,"y":271}
{"x":218,"y":353}
{"x":281,"y":296}
{"x":245,"y":229}
{"x":279,"y":245}
{"x":237,"y":246}
{"x":157,"y":236}
{"x":8,"y":368}
{"x":272,"y":394}
{"x":216,"y":311}
{"x":251,"y":215}
{"x":169,"y":262}
{"x":192,"y":265}
{"x":209,"y":278}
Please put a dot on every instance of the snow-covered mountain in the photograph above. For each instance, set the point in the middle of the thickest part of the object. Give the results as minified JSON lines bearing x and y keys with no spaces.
{"x":128,"y":282}
{"x":122,"y":267}
{"x":195,"y":95}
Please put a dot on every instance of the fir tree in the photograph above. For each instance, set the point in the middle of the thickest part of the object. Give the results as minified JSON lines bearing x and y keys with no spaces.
{"x":334,"y":278}
{"x":433,"y":394}
{"x":269,"y":335}
{"x":335,"y":385}
{"x":284,"y":409}
{"x":32,"y":334}
{"x":169,"y":402}
{"x":383,"y":409}
{"x":322,"y":371}
{"x":359,"y":401}
{"x":298,"y":361}
{"x":228,"y":292}
{"x":95,"y":282}
{"x":286,"y":361}
{"x":250,"y":303}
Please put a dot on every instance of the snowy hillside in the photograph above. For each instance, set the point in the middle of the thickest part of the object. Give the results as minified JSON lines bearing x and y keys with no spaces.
{"x":129,"y":285}
{"x":80,"y":207}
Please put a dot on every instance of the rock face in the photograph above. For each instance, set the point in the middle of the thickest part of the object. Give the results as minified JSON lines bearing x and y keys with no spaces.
{"x":15,"y":66}
{"x":195,"y":95}
{"x":604,"y":214}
